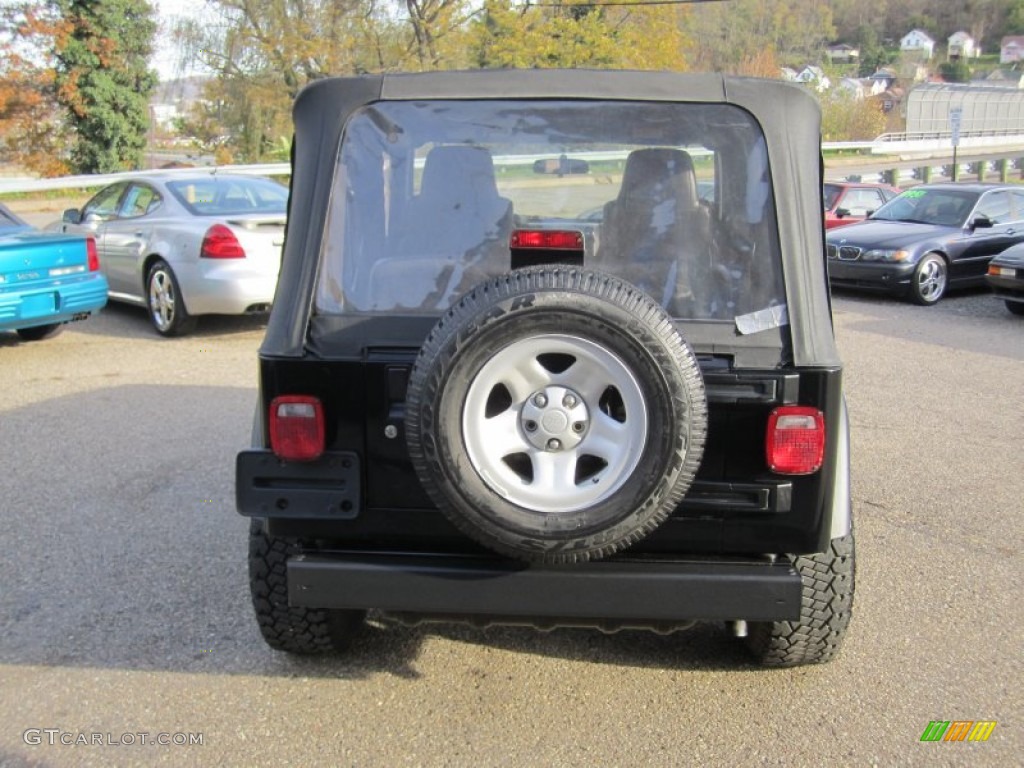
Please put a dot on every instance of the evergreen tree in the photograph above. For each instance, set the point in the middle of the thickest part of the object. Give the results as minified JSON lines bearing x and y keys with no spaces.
{"x":104,"y":81}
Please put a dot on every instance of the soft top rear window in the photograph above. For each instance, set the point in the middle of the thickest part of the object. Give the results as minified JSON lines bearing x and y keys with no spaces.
{"x":672,"y":197}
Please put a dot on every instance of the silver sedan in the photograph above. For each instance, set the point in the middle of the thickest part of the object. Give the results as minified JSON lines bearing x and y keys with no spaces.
{"x":187,"y":245}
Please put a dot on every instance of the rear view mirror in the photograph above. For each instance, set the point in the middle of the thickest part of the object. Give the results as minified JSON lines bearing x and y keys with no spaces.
{"x":71,"y":216}
{"x":842,"y":213}
{"x":561,"y":166}
{"x":981,"y":222}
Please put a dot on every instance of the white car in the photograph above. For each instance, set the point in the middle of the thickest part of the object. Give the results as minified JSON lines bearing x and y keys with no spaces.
{"x":187,"y":245}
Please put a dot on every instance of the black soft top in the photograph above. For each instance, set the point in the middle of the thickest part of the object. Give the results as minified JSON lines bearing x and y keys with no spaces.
{"x":789,"y":117}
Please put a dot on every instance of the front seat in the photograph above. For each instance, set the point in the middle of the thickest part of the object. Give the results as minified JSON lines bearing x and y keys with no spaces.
{"x":655,"y":233}
{"x":453,"y":234}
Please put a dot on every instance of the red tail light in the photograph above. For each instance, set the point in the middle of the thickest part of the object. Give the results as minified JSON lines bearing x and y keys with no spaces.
{"x":548,"y":239}
{"x":296,"y":427}
{"x":221,"y":243}
{"x":795,"y":443}
{"x":92,"y":254}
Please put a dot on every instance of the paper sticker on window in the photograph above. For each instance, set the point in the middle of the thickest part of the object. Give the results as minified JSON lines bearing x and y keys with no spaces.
{"x":763,"y":320}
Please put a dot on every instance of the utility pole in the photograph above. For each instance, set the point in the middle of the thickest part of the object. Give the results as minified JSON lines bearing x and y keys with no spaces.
{"x":955,"y":115}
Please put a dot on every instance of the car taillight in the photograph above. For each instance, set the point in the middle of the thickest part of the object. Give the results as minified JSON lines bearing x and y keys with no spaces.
{"x":795,"y":444}
{"x":547,"y":239}
{"x":221,"y":243}
{"x":296,"y":427}
{"x":92,"y":254}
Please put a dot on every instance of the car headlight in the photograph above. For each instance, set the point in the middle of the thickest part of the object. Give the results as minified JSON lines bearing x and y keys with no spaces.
{"x":885,"y":254}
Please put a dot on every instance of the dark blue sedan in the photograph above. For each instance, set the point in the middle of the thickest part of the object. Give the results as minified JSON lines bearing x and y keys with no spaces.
{"x":931,"y":238}
{"x":46,"y":279}
{"x":1006,"y":277}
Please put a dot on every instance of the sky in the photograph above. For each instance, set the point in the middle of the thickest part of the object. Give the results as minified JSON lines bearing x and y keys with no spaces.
{"x":165,"y":54}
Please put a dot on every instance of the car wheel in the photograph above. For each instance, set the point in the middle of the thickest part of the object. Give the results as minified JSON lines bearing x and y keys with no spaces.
{"x":1015,"y":307}
{"x":285,"y":627}
{"x":928,"y":284}
{"x":556,"y":415}
{"x":40,"y":332}
{"x":166,"y":306}
{"x":828,"y":582}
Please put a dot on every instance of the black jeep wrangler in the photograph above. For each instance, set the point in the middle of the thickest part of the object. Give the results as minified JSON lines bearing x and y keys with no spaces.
{"x":553,"y":348}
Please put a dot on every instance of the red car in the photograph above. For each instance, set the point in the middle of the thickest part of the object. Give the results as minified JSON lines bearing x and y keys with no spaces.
{"x":849,"y":201}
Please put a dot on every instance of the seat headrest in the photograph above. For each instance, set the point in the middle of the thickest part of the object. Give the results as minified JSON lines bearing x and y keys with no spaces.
{"x":655,"y":174}
{"x":459,"y":174}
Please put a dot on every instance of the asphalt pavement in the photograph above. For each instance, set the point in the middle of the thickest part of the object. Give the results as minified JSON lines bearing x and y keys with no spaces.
{"x":125,"y":616}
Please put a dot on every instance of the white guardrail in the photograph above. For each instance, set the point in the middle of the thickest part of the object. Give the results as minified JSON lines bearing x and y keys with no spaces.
{"x":101,"y":180}
{"x":887,"y":144}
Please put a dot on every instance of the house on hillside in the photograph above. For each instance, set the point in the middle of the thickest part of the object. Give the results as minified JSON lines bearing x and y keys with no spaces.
{"x":1011,"y":49}
{"x":813,"y":76}
{"x":961,"y":45}
{"x":918,"y":40}
{"x":885,"y":77}
{"x":842,"y":52}
{"x":891,"y":100}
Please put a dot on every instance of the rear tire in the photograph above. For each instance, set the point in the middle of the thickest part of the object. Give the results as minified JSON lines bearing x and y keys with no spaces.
{"x":164,"y":302}
{"x":285,"y":627}
{"x":828,"y":582}
{"x":1015,"y":307}
{"x":40,"y":332}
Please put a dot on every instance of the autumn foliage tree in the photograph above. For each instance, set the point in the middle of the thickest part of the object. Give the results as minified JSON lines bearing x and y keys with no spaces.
{"x":578,"y":34}
{"x":76,"y":84}
{"x":32,"y":134}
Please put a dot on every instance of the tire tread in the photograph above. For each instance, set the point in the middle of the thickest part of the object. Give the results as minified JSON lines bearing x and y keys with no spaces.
{"x":827,"y":603}
{"x":285,"y":627}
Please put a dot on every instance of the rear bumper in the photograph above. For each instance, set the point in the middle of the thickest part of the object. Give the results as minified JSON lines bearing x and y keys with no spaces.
{"x":226,"y":286}
{"x":628,"y":592}
{"x":60,"y":303}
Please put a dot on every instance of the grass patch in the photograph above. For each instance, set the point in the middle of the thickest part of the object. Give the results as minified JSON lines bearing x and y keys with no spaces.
{"x":43,"y":195}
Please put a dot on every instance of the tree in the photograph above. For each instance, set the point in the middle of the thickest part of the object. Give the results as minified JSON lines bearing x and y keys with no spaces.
{"x":727,"y":34}
{"x":846,"y":118}
{"x":571,"y":34}
{"x":1015,"y":18}
{"x":104,"y":81}
{"x":263,"y":52}
{"x":32,"y":135}
{"x":955,"y":71}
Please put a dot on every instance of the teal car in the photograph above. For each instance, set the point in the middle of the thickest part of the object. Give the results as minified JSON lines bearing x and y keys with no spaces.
{"x":47,"y":279}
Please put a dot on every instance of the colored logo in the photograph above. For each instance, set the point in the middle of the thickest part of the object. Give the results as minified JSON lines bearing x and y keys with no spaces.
{"x":958,"y":730}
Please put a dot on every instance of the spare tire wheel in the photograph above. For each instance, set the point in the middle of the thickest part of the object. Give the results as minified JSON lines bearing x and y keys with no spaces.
{"x":556,"y":415}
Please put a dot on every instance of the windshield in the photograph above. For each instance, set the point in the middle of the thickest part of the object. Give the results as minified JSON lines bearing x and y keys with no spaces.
{"x":230,"y":196}
{"x":9,"y":222}
{"x":941,"y":206}
{"x":674,"y":198}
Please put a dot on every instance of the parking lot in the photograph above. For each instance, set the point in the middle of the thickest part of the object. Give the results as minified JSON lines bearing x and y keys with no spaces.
{"x":124,"y":604}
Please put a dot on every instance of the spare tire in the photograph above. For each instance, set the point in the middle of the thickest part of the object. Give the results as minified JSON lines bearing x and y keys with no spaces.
{"x":556,"y":415}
